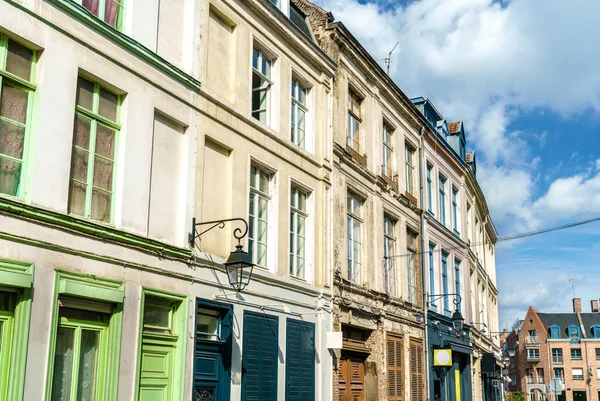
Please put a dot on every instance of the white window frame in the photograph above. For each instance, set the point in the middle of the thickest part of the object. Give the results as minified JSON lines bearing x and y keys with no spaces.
{"x":387,"y":135}
{"x":411,"y":251}
{"x":352,"y":241}
{"x":296,"y":105}
{"x":354,"y":120}
{"x":270,"y":87}
{"x":409,"y":154}
{"x":296,"y":214}
{"x":271,"y":240}
{"x":389,"y":251}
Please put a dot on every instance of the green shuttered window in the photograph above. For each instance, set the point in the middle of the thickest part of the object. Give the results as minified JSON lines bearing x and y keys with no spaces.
{"x":260,"y":357}
{"x":300,"y":361}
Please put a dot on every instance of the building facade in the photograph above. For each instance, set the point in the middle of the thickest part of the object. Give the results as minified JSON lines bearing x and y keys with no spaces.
{"x":120,"y":123}
{"x":459,"y":238}
{"x":563,"y":348}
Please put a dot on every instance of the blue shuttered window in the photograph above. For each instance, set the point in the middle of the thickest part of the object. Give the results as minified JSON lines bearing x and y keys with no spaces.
{"x":260,"y":357}
{"x":300,"y":361}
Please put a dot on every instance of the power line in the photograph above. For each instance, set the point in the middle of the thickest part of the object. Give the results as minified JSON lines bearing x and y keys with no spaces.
{"x":511,"y":237}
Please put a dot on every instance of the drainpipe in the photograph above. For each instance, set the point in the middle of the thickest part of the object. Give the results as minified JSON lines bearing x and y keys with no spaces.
{"x":423,"y":270}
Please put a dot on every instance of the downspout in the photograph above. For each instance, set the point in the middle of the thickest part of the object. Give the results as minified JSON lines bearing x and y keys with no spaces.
{"x":423,"y":270}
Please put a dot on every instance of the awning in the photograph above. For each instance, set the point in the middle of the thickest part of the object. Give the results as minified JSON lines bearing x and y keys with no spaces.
{"x":457,"y":347}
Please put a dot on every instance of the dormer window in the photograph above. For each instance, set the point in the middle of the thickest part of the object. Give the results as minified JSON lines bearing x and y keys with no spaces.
{"x":554,"y":331}
{"x":596,"y":330}
{"x":574,"y":334}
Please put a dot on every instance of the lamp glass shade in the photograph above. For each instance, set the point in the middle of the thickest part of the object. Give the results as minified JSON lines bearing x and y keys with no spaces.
{"x":457,"y":320}
{"x":511,"y":352}
{"x":239,"y":268}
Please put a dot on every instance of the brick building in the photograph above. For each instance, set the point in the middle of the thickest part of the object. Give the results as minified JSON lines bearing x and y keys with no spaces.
{"x":564,"y":346}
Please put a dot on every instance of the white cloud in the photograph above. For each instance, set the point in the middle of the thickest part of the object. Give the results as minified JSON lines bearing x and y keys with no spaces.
{"x":571,"y":196}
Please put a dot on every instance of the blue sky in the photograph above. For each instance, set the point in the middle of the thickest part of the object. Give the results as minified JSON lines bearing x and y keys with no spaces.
{"x":525,"y":79}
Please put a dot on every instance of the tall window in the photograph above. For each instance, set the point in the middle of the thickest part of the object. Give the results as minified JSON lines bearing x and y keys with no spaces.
{"x":354,"y":119}
{"x":354,"y":228}
{"x":442,"y":200}
{"x":455,"y":210}
{"x":17,"y":74}
{"x":261,"y":85}
{"x":259,"y":215}
{"x":559,"y":373}
{"x":429,"y":188}
{"x":96,"y":131}
{"x":432,"y":274}
{"x":299,"y":111}
{"x":529,"y":373}
{"x":540,"y":375}
{"x":409,"y":154}
{"x":445,"y":280}
{"x":473,"y":290}
{"x":388,"y":150}
{"x":554,"y":331}
{"x":457,"y":278}
{"x":109,"y":11}
{"x":411,"y":248}
{"x":557,"y":355}
{"x":298,"y":217}
{"x":389,"y":250}
{"x":576,"y":354}
{"x":469,"y":225}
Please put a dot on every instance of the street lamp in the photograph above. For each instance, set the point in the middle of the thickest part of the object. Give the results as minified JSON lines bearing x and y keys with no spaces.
{"x":239,"y":265}
{"x":457,"y":318}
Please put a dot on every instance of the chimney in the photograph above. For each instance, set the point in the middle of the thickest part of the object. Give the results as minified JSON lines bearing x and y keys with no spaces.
{"x":576,"y":305}
{"x":594,"y":306}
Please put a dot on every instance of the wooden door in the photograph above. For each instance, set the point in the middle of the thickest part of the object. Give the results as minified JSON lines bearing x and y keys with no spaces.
{"x":352,"y":379}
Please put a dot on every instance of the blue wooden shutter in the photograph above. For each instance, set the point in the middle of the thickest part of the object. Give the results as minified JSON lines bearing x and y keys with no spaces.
{"x":260,"y":357}
{"x":300,"y":361}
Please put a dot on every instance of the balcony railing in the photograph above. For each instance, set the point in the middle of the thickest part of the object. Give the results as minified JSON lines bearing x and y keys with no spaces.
{"x":540,"y":380}
{"x":532,"y":340}
{"x":529,"y":380}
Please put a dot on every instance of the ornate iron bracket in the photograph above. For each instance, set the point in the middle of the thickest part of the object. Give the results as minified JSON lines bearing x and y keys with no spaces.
{"x":237,"y":233}
{"x":456,"y":301}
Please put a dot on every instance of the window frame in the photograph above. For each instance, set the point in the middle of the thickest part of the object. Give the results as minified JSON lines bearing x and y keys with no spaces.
{"x":574,"y":329}
{"x":29,"y":86}
{"x":267,"y":79}
{"x":352,"y":217}
{"x":295,"y":214}
{"x":411,"y":250}
{"x":557,"y":356}
{"x":455,"y":216}
{"x":531,"y":354}
{"x":442,"y":198}
{"x":95,"y":118}
{"x":354,"y":120}
{"x":432,"y":247}
{"x":388,"y":150}
{"x":102,"y":9}
{"x":258,"y":194}
{"x":445,"y":256}
{"x":409,"y":154}
{"x":457,"y":269}
{"x":576,"y":354}
{"x":389,"y":251}
{"x":577,"y":377}
{"x":554,"y":332}
{"x":297,"y":105}
{"x":430,"y":189}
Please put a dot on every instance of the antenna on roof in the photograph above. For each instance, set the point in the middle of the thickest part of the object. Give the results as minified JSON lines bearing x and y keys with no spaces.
{"x":388,"y":60}
{"x":572,"y":280}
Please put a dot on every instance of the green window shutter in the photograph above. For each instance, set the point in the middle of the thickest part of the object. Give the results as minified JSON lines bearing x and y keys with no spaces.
{"x":260,"y":357}
{"x":300,"y":361}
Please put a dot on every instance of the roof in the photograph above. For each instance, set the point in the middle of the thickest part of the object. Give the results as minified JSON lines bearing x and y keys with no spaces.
{"x":564,"y":320}
{"x":298,"y":18}
{"x":470,"y":156}
{"x":455,"y":127}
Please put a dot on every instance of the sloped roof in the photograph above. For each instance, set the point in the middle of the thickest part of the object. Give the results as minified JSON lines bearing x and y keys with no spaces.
{"x":454,"y":128}
{"x":564,"y":320}
{"x":298,"y":18}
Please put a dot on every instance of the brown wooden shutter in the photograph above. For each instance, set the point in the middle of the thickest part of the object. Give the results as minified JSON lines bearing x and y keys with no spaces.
{"x":395,"y":369}
{"x":417,"y":380}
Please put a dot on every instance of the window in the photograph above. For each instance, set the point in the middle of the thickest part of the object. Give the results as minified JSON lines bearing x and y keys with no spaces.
{"x":259,"y":215}
{"x":261,"y":85}
{"x":300,"y":360}
{"x":354,"y":228}
{"x":388,"y":150}
{"x":354,"y":120}
{"x":389,"y":252}
{"x":17,"y":74}
{"x":455,"y":210}
{"x":457,"y":273}
{"x":577,"y":373}
{"x":429,"y":188}
{"x":445,"y":280}
{"x":533,"y":354}
{"x":95,"y":135}
{"x":576,"y":354}
{"x":109,"y":11}
{"x":469,"y":225}
{"x":260,"y":347}
{"x":531,"y":333}
{"x":559,"y":373}
{"x":574,"y":333}
{"x":164,"y":318}
{"x":596,"y":330}
{"x":298,"y":216}
{"x":432,"y":274}
{"x":409,"y":154}
{"x":395,"y":371}
{"x":598,"y":354}
{"x":557,"y":355}
{"x":554,"y":332}
{"x":529,"y":374}
{"x":412,"y":271}
{"x":540,"y":375}
{"x":299,"y":111}
{"x":598,"y":373}
{"x":442,"y":200}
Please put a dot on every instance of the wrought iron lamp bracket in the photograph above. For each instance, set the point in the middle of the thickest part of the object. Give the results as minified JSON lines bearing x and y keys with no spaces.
{"x":456,"y":301}
{"x":238,"y":233}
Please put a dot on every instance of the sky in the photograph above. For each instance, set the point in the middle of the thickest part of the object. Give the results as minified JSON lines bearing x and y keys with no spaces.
{"x":525,"y":79}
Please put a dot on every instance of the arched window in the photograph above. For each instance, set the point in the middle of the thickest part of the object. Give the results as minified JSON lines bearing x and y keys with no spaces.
{"x":574,"y":334}
{"x":554,"y":331}
{"x":596,"y":330}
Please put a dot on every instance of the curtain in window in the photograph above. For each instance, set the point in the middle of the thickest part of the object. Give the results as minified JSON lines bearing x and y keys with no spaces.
{"x":63,"y":364}
{"x":91,"y":5}
{"x":111,"y":12}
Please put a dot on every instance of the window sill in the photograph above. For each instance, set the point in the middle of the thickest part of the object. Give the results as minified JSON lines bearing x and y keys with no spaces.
{"x":82,"y":15}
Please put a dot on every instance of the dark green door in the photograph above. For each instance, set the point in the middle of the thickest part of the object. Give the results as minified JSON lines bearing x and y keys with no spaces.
{"x":300,"y":361}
